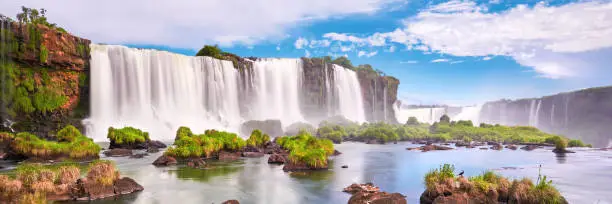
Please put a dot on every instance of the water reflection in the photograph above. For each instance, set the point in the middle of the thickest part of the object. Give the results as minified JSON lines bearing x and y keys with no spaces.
{"x":561,"y":158}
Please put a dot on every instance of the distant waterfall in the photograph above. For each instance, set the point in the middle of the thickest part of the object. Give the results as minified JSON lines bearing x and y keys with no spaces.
{"x":423,"y":115}
{"x":349,"y":94}
{"x":469,"y":113}
{"x":159,"y":91}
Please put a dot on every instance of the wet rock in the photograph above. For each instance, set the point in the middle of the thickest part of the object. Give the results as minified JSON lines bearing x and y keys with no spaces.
{"x":483,"y":148}
{"x":497,"y":146}
{"x":140,"y":145}
{"x":273,"y":148}
{"x":344,"y":166}
{"x":126,"y":185}
{"x":152,"y":150}
{"x":374,"y":142}
{"x":277,"y":159}
{"x":336,"y":153}
{"x":298,"y":166}
{"x":229,"y":156}
{"x":165,"y":161}
{"x":529,"y":147}
{"x":231,"y":202}
{"x":512,"y":147}
{"x":252,"y":154}
{"x":251,"y":149}
{"x":139,"y":155}
{"x":462,"y":144}
{"x":427,"y":148}
{"x":118,"y":152}
{"x":368,"y":193}
{"x":562,"y":151}
{"x":156,"y":144}
{"x":195,"y":162}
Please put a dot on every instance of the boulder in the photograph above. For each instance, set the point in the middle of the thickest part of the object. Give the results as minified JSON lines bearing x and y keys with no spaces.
{"x":156,"y":144}
{"x":273,"y":148}
{"x":562,"y":151}
{"x":483,"y":148}
{"x":252,"y":154}
{"x":152,"y":150}
{"x":369,"y":194}
{"x":118,"y":152}
{"x":427,"y":148}
{"x":273,"y":128}
{"x":228,"y":156}
{"x":462,"y":144}
{"x":126,"y":185}
{"x":344,"y":166}
{"x":497,"y":146}
{"x":195,"y":162}
{"x":141,"y":145}
{"x":139,"y":155}
{"x":512,"y":147}
{"x":251,"y":149}
{"x":165,"y":161}
{"x":529,"y":147}
{"x":356,"y":188}
{"x":298,"y":166}
{"x":231,"y":202}
{"x":277,"y":159}
{"x":336,"y":153}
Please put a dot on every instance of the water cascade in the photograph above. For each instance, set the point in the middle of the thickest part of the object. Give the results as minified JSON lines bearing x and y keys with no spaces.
{"x":426,"y":115}
{"x":469,"y":113}
{"x":159,"y":91}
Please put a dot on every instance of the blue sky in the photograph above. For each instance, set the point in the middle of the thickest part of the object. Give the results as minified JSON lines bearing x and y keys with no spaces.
{"x":445,"y":52}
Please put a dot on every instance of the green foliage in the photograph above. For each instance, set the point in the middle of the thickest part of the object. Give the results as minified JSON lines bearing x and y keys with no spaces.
{"x":412,"y":121}
{"x":188,"y":144}
{"x":379,"y":131}
{"x":444,"y":119}
{"x":47,"y":99}
{"x":440,"y":175}
{"x":334,"y":133}
{"x":36,"y":17}
{"x":77,"y":148}
{"x":44,"y":53}
{"x":127,"y":135}
{"x":257,"y":139}
{"x":343,"y":61}
{"x":487,"y":180}
{"x":211,"y":51}
{"x":68,"y":134}
{"x":6,"y":136}
{"x":22,"y":101}
{"x":577,"y":143}
{"x":304,"y":148}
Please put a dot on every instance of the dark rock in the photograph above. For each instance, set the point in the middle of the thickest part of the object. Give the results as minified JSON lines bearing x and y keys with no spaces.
{"x":152,"y":150}
{"x":356,"y":188}
{"x":231,"y":202}
{"x":273,"y":148}
{"x":156,"y":144}
{"x":427,"y":148}
{"x":139,"y":155}
{"x":251,"y":149}
{"x":344,"y":166}
{"x":195,"y":162}
{"x":374,"y":142}
{"x":483,"y":148}
{"x":126,"y":185}
{"x":497,"y":146}
{"x":336,"y":153}
{"x":298,"y":166}
{"x":370,"y":194}
{"x":228,"y":156}
{"x":165,"y":161}
{"x":562,"y":151}
{"x":252,"y":154}
{"x":529,"y":147}
{"x":273,"y":128}
{"x":277,"y":159}
{"x":93,"y":190}
{"x":118,"y":152}
{"x":512,"y":147}
{"x":462,"y":144}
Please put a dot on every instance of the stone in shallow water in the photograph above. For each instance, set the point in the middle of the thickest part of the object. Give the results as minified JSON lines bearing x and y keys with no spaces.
{"x":231,"y":202}
{"x":277,"y":159}
{"x":118,"y":152}
{"x":165,"y":161}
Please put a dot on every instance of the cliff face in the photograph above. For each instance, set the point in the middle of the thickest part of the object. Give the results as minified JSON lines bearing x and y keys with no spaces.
{"x":380,"y":94}
{"x":44,"y":76}
{"x":583,"y":114}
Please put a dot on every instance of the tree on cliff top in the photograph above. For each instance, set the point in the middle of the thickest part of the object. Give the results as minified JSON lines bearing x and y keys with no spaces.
{"x":35,"y":16}
{"x":211,"y":51}
{"x":343,"y":61}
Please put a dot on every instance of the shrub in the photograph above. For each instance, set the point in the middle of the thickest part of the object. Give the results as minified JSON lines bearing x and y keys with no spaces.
{"x":188,"y":144}
{"x":211,"y":51}
{"x":127,"y":135}
{"x":102,"y":172}
{"x":68,"y":134}
{"x":304,"y":148}
{"x":257,"y":139}
{"x":576,"y":143}
{"x":445,"y":119}
{"x":78,"y":148}
{"x":412,"y":121}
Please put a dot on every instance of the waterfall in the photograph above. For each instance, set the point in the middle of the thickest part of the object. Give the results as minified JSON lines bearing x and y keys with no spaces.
{"x":277,"y":90}
{"x":469,"y":113}
{"x":328,"y":91}
{"x":537,"y":113}
{"x":423,"y":115}
{"x":350,"y":100}
{"x":159,"y":91}
{"x":532,"y":113}
{"x":552,"y":115}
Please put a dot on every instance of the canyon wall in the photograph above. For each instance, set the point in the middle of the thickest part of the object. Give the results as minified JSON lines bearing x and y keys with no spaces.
{"x":44,"y":78}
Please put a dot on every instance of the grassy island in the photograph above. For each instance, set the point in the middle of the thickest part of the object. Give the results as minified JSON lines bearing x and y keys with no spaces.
{"x":187,"y":144}
{"x":304,"y":148}
{"x":257,"y":139}
{"x":71,"y":144}
{"x":127,"y":135}
{"x":488,"y":187}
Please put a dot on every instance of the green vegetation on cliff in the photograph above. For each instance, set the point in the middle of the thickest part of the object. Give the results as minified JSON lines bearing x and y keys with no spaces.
{"x":215,"y":52}
{"x":187,"y":144}
{"x":304,"y":148}
{"x":127,"y":135}
{"x":71,"y":145}
{"x":257,"y":139}
{"x":479,"y":188}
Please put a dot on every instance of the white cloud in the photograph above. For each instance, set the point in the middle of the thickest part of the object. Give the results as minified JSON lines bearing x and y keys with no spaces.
{"x":440,"y":60}
{"x":391,"y":49}
{"x":455,"y":6}
{"x":278,"y":47}
{"x":300,"y":43}
{"x":456,"y":62}
{"x":486,"y":58}
{"x":191,"y":23}
{"x":319,"y":43}
{"x":306,"y":53}
{"x":366,"y":54}
{"x":409,"y":62}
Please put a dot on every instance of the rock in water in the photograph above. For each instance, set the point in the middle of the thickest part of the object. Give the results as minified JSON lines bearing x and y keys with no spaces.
{"x":344,"y":166}
{"x":229,"y":156}
{"x":276,"y":159}
{"x":336,"y":153}
{"x":529,"y":147}
{"x":165,"y":161}
{"x":368,"y":193}
{"x":139,"y":156}
{"x":126,"y":186}
{"x":195,"y":162}
{"x":231,"y":202}
{"x":512,"y":147}
{"x":118,"y":152}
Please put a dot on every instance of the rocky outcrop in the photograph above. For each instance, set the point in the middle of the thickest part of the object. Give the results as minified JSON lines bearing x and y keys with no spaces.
{"x":149,"y":144}
{"x":165,"y":161}
{"x":301,"y":166}
{"x":118,"y":152}
{"x":368,"y":193}
{"x":277,"y":159}
{"x":195,"y":162}
{"x":231,"y":202}
{"x":379,"y":94}
{"x":583,"y":114}
{"x":48,"y":65}
{"x":430,"y":147}
{"x":86,"y":189}
{"x":273,"y":128}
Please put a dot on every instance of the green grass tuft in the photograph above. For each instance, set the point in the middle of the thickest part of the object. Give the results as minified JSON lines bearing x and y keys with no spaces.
{"x":79,"y":146}
{"x":188,"y":144}
{"x":127,"y":135}
{"x":257,"y":139}
{"x":304,"y":148}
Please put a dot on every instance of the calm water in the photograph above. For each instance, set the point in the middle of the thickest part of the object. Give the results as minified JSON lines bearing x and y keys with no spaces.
{"x":583,"y":177}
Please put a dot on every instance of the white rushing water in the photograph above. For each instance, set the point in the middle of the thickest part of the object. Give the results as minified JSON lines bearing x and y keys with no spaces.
{"x":426,"y":115}
{"x":469,"y":113}
{"x":159,"y":91}
{"x":350,"y":100}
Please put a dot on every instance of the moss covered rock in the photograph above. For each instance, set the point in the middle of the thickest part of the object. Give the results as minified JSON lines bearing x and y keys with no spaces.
{"x":72,"y":146}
